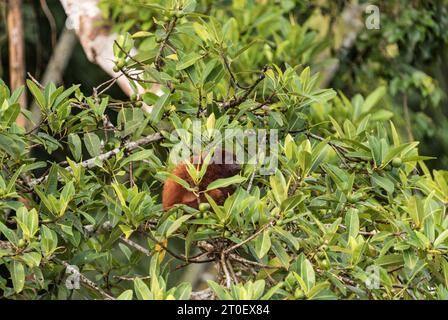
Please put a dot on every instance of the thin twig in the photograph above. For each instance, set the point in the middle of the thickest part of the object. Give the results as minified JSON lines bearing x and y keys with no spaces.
{"x":226,"y":271}
{"x":242,"y":243}
{"x":244,"y":261}
{"x":158,"y":59}
{"x":86,"y":280}
{"x":51,"y":22}
{"x":237,"y":101}
{"x":136,"y":246}
{"x":91,"y":163}
{"x":206,"y":294}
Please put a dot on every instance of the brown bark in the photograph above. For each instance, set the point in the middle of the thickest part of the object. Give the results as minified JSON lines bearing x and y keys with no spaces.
{"x":16,"y":52}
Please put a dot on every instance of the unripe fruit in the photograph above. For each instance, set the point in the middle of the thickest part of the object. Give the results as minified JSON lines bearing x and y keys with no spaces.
{"x":120,"y":64}
{"x":116,"y":69}
{"x":203,"y":207}
{"x":227,"y":234}
{"x":289,"y":214}
{"x":134,"y":97}
{"x":324,"y":264}
{"x":21,"y":243}
{"x":139,"y":104}
{"x":397,"y":162}
{"x":299,"y":294}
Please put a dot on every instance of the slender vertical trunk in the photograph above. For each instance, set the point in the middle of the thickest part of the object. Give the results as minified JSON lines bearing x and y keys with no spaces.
{"x":16,"y":51}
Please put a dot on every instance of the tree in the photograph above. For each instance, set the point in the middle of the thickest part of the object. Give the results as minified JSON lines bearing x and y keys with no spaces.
{"x":349,"y":211}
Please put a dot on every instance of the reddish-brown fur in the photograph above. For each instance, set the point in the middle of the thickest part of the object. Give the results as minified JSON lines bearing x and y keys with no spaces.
{"x":174,"y":193}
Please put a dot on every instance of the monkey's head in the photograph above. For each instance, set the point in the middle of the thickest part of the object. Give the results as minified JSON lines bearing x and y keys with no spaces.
{"x":222,"y":165}
{"x":225,"y":161}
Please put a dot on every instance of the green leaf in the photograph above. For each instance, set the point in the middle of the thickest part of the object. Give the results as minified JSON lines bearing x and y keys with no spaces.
{"x":383,"y":182}
{"x":287,"y":237}
{"x":292,"y":202}
{"x":177,"y":179}
{"x":126,"y":295}
{"x":441,"y":238}
{"x":142,"y":290}
{"x":279,"y":186}
{"x":263,"y":244}
{"x":138,"y":156}
{"x":176,"y":224}
{"x":126,"y":230}
{"x":8,"y":233}
{"x":306,"y":272}
{"x":225,"y":182}
{"x":49,"y":240}
{"x":352,"y":222}
{"x":32,"y":259}
{"x":183,"y":291}
{"x":373,"y":99}
{"x":397,"y":151}
{"x":220,"y":292}
{"x":280,"y":253}
{"x":188,"y":61}
{"x":37,"y":93}
{"x":390,"y":259}
{"x":17,"y":276}
{"x":93,"y":144}
{"x":64,"y":95}
{"x":10,"y":115}
{"x":222,"y":215}
{"x":74,"y":143}
{"x":201,"y":31}
{"x":159,"y":108}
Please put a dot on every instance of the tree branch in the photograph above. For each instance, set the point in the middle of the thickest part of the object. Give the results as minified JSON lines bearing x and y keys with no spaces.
{"x":236,"y":246}
{"x":91,"y":163}
{"x":16,"y":45}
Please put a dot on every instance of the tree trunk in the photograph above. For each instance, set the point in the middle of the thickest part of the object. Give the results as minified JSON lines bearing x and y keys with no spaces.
{"x":16,"y":52}
{"x":96,"y":39}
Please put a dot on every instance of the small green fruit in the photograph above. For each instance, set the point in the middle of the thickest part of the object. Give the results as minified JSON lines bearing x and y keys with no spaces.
{"x":21,"y":243}
{"x":227,"y":234}
{"x":120,"y":64}
{"x":324,"y":264}
{"x":397,"y":162}
{"x":299,"y":294}
{"x":203,"y":207}
{"x":289,"y":214}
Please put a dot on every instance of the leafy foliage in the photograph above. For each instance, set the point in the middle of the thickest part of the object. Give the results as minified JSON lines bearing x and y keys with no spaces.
{"x":350,"y":212}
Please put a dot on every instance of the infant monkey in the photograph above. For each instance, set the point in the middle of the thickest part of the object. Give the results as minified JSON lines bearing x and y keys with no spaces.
{"x":222,"y":165}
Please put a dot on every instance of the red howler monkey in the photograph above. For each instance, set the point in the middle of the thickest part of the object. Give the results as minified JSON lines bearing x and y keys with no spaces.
{"x":218,"y":168}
